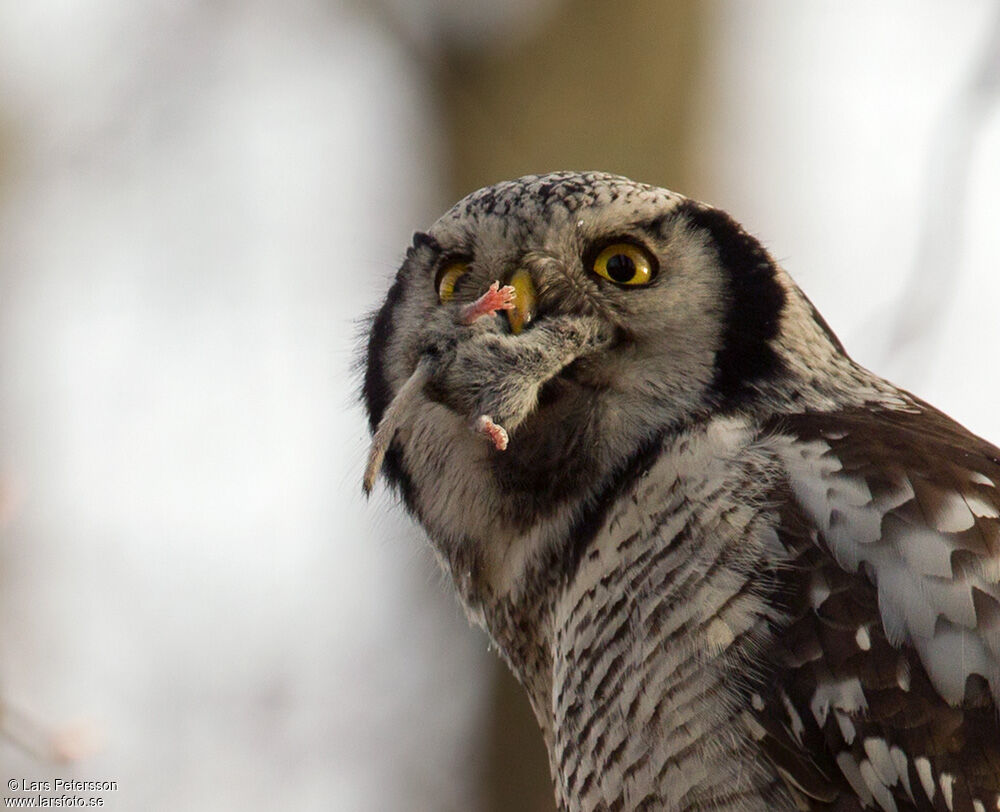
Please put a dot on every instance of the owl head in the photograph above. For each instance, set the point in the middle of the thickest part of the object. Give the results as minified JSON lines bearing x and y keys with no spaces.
{"x":633,"y":311}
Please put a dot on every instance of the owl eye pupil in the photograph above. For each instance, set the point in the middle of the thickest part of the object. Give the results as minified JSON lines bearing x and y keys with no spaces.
{"x":624,"y":264}
{"x":621,"y":268}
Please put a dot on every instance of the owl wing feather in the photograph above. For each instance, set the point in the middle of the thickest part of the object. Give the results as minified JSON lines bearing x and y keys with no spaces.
{"x":889,"y":672}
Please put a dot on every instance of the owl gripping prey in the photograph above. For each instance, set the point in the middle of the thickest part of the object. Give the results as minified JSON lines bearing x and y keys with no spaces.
{"x":732,"y":569}
{"x":492,"y":377}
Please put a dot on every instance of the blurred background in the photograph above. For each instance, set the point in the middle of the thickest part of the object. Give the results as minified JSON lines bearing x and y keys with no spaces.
{"x":200,"y":201}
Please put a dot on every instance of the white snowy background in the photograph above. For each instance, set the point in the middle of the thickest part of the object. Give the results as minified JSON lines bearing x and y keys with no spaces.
{"x":199,"y":200}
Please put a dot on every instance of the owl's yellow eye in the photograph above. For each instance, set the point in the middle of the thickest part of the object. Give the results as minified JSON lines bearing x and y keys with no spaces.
{"x":624,"y":264}
{"x":447,"y":277}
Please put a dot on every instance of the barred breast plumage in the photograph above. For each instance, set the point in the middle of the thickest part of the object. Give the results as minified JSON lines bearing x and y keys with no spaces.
{"x":655,"y":644}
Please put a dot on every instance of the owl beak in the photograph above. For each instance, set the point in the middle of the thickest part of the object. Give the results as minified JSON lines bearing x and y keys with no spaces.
{"x":525,"y":300}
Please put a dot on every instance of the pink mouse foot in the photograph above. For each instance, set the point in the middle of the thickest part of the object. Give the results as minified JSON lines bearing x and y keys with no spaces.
{"x":496,"y":298}
{"x":496,"y":433}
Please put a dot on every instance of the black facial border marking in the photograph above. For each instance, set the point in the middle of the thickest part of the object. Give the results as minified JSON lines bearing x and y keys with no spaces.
{"x":376,"y":392}
{"x":753,"y":317}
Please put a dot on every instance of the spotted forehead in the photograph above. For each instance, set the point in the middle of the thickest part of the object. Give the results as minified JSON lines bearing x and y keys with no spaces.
{"x":535,"y":201}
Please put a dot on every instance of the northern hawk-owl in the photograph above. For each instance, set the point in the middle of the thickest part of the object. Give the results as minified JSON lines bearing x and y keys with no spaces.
{"x":732,"y":568}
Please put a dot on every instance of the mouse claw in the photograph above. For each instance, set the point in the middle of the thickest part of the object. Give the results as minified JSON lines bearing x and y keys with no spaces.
{"x":496,"y":298}
{"x":497,"y":433}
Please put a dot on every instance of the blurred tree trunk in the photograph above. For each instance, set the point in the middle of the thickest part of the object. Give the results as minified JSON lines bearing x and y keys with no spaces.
{"x":598,"y":86}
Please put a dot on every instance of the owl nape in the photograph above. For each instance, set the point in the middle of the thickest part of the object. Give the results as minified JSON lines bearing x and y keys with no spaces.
{"x":731,"y":568}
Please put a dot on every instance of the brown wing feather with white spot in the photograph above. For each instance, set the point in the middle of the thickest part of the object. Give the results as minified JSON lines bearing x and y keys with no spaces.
{"x":888,"y":674}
